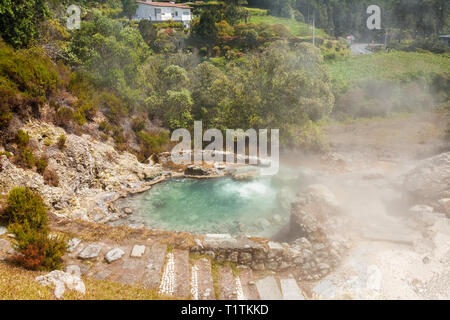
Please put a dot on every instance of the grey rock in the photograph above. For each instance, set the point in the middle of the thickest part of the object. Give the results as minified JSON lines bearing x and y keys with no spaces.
{"x":90,"y":252}
{"x":60,"y":281}
{"x":194,"y":170}
{"x":72,"y":244}
{"x":73,"y":269}
{"x":114,"y":254}
{"x":245,"y":257}
{"x":430,"y":180}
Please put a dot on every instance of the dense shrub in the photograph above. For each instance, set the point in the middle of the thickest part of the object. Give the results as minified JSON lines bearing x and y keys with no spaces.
{"x":24,"y":206}
{"x":151,"y":142}
{"x":36,"y":249}
{"x":26,"y":158}
{"x":19,"y":20}
{"x":28,"y":221}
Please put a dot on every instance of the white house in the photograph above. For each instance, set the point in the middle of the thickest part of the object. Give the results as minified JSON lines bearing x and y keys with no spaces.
{"x":163,"y":11}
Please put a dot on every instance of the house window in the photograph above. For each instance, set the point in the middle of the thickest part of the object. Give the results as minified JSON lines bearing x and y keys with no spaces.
{"x":186,"y":13}
{"x":157,"y":11}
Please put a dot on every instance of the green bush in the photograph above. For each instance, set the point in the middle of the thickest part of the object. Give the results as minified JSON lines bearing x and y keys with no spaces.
{"x":24,"y":206}
{"x":41,"y":164}
{"x":151,"y":143}
{"x":26,"y":158}
{"x":61,"y":142}
{"x":28,"y":221}
{"x":36,"y":249}
{"x":22,"y":138}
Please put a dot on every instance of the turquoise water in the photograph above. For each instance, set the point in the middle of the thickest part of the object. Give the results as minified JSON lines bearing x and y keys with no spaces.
{"x":210,"y":206}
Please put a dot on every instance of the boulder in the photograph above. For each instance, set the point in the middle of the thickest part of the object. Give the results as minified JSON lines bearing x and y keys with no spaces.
{"x":323,"y":197}
{"x":430,"y":179}
{"x":61,"y":281}
{"x":194,"y":170}
{"x":445,"y":204}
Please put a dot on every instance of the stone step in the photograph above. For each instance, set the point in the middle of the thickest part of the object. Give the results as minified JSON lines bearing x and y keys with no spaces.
{"x":247,"y":282}
{"x":182,"y":273}
{"x":176,"y":274}
{"x":290,"y":290}
{"x":268,"y":289}
{"x":167,"y":285}
{"x":202,"y":287}
{"x":129,"y":270}
{"x":132,"y":271}
{"x":227,"y":284}
{"x":154,"y":266}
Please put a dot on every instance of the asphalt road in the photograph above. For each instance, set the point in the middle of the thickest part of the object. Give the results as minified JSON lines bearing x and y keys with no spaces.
{"x":359,"y":48}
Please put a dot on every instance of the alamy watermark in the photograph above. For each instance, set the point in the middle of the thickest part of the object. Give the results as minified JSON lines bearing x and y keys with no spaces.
{"x":255,"y":143}
{"x":74,"y":17}
{"x":374,"y":20}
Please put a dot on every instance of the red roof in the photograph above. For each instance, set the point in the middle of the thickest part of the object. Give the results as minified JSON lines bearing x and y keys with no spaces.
{"x":165,"y":4}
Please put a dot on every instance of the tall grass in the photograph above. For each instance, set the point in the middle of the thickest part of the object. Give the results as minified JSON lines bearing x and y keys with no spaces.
{"x":395,"y":66}
{"x":296,"y":28}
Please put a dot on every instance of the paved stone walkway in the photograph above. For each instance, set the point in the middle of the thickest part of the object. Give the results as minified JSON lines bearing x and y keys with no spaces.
{"x":169,"y":271}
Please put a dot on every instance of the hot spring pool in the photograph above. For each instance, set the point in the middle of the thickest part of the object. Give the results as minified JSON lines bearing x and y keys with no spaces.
{"x":219,"y":205}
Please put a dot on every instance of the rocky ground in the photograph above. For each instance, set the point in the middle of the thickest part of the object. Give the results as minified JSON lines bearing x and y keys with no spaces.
{"x":399,"y":229}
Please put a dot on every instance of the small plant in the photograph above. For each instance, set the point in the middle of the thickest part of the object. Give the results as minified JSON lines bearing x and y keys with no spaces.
{"x":61,"y":142}
{"x":26,"y":158}
{"x":41,"y":164}
{"x":50,"y":178}
{"x":47,"y":142}
{"x":22,"y":138}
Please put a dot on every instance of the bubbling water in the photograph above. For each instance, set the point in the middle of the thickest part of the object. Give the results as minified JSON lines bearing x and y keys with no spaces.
{"x":211,"y":206}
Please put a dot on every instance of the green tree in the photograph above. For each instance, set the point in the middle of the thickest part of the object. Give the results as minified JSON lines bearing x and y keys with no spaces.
{"x":148,"y":31}
{"x":205,"y":29}
{"x":129,"y":8}
{"x":19,"y":20}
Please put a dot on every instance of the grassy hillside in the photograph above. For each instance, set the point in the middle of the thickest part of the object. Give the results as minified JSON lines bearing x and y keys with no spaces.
{"x":394,"y":66}
{"x":384,"y":83}
{"x":297,"y":28}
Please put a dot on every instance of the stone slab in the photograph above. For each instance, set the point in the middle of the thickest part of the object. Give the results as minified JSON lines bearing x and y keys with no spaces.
{"x":227,"y":284}
{"x":203,"y":281}
{"x":138,"y":251}
{"x":248,"y":284}
{"x":154,"y":266}
{"x":182,"y":273}
{"x":290,"y":290}
{"x":268,"y":289}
